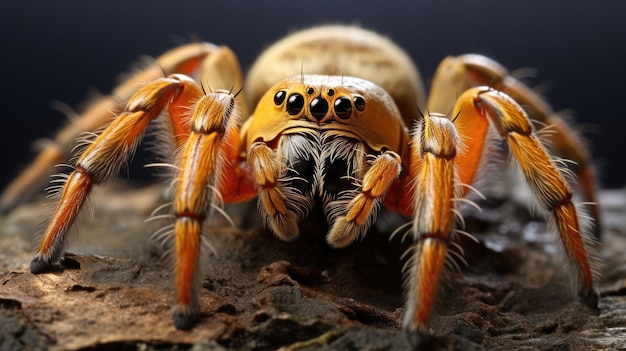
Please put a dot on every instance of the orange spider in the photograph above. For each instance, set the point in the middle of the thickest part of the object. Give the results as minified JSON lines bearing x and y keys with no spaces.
{"x":340,"y":132}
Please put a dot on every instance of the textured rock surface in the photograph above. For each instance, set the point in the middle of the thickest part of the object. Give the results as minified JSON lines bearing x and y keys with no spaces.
{"x":115,"y":289}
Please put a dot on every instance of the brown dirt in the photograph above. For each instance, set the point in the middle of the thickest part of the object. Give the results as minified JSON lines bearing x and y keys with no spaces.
{"x":114,"y":291}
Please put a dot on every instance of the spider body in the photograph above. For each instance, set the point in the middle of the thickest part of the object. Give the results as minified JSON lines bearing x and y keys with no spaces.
{"x":333,"y":122}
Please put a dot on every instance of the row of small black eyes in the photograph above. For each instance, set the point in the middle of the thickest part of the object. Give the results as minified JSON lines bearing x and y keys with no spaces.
{"x":342,"y":105}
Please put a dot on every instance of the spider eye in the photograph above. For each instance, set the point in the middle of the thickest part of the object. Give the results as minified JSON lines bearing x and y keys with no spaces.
{"x":295,"y":103}
{"x":343,"y":108}
{"x":359,"y":103}
{"x":279,"y":98}
{"x":319,"y":107}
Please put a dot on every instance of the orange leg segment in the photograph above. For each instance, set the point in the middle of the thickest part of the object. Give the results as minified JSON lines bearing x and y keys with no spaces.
{"x":435,"y":144}
{"x":197,"y":185}
{"x":75,"y":193}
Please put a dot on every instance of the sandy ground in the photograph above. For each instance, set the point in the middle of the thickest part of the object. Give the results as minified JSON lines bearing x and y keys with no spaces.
{"x":115,"y":289}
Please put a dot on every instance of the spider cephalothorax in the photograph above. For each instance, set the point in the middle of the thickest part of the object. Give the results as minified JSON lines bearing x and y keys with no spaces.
{"x":324,"y":138}
{"x":331,"y":121}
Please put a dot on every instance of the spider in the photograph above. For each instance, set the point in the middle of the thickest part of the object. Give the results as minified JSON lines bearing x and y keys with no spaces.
{"x":328,"y":117}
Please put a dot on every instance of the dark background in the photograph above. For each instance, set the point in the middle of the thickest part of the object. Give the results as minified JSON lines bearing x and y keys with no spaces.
{"x":60,"y":50}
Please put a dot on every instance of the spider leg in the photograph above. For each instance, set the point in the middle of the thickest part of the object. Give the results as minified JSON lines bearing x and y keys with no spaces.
{"x":212,"y":121}
{"x":467,"y":71}
{"x":362,"y":209}
{"x":209,"y":139}
{"x":272,"y":200}
{"x":184,"y":59}
{"x":103,"y":158}
{"x":436,"y":184}
{"x":434,"y":180}
{"x":546,"y":182}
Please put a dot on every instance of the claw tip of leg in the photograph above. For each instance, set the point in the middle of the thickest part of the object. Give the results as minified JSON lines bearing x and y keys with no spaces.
{"x":590,"y":298}
{"x":184,"y":317}
{"x":39,"y":265}
{"x":419,"y":339}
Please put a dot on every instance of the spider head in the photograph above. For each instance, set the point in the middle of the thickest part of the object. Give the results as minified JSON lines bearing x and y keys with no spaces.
{"x":350,"y":106}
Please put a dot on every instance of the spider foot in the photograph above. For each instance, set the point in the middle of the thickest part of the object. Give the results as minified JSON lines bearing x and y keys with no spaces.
{"x":39,"y":265}
{"x":420,"y":339}
{"x":590,"y":298}
{"x":184,"y":317}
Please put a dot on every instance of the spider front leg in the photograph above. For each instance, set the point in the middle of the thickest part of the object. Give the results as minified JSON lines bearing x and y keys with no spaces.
{"x":104,"y":156}
{"x":433,"y":170}
{"x":213,"y":121}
